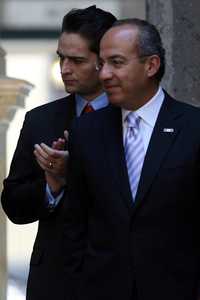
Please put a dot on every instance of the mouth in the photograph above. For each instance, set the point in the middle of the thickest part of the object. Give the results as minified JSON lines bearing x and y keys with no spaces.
{"x":69,"y":81}
{"x":110,"y":87}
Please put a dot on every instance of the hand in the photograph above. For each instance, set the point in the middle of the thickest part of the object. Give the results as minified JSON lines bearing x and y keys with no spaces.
{"x":53,"y":160}
{"x":59,"y":144}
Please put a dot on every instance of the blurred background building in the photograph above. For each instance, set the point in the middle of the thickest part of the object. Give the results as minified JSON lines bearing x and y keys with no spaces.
{"x":29,"y":76}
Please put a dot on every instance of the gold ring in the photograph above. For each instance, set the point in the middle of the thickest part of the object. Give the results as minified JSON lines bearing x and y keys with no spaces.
{"x":51,"y":165}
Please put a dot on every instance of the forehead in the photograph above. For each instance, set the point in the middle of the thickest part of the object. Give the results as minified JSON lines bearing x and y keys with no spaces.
{"x":119,"y":40}
{"x":73,"y":42}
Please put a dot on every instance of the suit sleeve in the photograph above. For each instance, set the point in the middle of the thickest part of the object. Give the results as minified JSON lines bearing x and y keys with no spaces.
{"x":75,"y":221}
{"x":23,"y":196}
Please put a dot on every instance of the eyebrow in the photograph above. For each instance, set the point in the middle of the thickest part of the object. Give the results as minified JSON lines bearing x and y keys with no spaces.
{"x":114,"y":57}
{"x":70,"y":56}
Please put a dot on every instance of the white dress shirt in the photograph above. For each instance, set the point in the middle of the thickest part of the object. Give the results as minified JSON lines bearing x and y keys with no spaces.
{"x":148,"y":114}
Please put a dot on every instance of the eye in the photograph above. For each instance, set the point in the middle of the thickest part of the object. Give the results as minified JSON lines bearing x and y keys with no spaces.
{"x":117,"y":62}
{"x":78,"y":61}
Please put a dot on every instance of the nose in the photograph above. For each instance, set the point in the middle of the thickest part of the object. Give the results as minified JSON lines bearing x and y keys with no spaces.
{"x":65,"y":66}
{"x":105,"y":72}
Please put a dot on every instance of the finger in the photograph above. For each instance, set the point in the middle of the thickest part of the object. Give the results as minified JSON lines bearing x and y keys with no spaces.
{"x":39,"y":151}
{"x":66,"y":135}
{"x":48,"y":150}
{"x":43,"y":167}
{"x":47,"y":167}
{"x":41,"y":160}
{"x":45,"y":161}
{"x":54,"y":154}
{"x":59,"y":144}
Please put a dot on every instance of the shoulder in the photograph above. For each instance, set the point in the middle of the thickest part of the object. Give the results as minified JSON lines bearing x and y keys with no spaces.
{"x":52,"y":106}
{"x":186,"y":114}
{"x":183,"y":107}
{"x":49,"y":110}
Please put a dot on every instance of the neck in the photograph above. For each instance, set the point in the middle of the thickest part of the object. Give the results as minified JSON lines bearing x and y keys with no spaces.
{"x":91,"y":97}
{"x":142,"y":99}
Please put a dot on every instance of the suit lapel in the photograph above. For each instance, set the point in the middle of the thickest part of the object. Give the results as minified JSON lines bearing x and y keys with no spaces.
{"x":166,"y":129}
{"x":70,"y":110}
{"x":64,"y":113}
{"x":114,"y":152}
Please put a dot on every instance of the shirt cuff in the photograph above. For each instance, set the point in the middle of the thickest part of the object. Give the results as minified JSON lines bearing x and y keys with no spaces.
{"x":52,"y":201}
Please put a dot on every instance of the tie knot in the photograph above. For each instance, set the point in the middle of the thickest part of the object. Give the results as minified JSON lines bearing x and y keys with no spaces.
{"x":88,"y":108}
{"x":133,"y":120}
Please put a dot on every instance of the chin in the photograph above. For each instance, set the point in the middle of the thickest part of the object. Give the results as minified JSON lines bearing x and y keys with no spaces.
{"x":114,"y":100}
{"x":70,"y":90}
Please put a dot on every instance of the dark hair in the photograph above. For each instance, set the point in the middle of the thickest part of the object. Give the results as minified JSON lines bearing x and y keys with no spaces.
{"x":91,"y":23}
{"x":149,"y":41}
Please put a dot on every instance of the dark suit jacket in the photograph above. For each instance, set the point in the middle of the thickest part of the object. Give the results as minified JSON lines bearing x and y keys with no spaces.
{"x":145,"y":250}
{"x":23,"y":197}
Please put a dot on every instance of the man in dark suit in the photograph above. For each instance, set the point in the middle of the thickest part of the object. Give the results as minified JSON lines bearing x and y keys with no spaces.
{"x":132,"y":225}
{"x":36,"y":183}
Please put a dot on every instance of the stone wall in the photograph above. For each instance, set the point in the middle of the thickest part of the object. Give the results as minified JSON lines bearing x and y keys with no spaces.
{"x":179,"y":25}
{"x":132,"y":9}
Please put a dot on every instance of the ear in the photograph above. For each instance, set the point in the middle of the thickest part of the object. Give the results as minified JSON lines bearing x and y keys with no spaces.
{"x":152,"y":65}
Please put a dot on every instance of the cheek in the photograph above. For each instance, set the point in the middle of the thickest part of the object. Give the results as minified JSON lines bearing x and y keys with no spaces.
{"x":124,"y":77}
{"x":133,"y":79}
{"x":87,"y":71}
{"x":88,"y":79}
{"x":91,"y":74}
{"x":127,"y":82}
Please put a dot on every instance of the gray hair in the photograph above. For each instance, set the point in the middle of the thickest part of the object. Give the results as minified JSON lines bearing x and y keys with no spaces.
{"x":149,"y":41}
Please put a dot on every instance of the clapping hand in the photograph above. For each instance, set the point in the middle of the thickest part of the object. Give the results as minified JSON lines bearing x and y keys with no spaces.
{"x":54,"y":161}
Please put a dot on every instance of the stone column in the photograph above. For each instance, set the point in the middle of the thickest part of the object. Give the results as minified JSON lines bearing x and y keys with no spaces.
{"x":12,"y":95}
{"x":2,"y":62}
{"x":132,"y":9}
{"x":179,"y":26}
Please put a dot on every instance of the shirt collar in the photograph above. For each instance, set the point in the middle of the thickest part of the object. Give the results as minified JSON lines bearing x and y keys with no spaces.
{"x":148,"y":112}
{"x":99,"y":102}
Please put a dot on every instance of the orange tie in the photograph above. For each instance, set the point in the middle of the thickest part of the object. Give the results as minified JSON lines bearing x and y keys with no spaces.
{"x":87,"y":109}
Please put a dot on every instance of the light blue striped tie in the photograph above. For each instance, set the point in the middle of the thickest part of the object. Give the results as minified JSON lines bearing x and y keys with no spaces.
{"x":134,"y":151}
